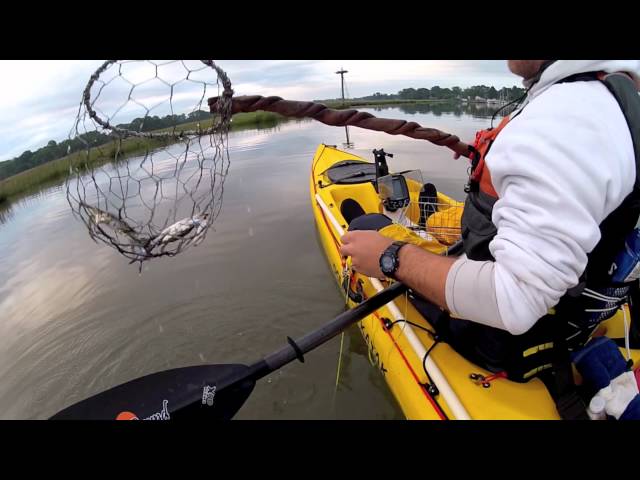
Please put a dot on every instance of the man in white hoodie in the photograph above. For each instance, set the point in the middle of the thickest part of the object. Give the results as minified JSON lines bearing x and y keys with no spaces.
{"x":557,"y":169}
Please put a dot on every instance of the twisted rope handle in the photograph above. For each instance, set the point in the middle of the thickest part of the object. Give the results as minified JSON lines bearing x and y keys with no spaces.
{"x":341,"y":118}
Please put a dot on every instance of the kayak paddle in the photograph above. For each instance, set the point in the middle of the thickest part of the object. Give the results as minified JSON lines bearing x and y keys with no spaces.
{"x":210,"y":391}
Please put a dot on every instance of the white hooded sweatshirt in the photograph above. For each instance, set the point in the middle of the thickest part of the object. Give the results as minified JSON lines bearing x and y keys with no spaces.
{"x":560,"y":168}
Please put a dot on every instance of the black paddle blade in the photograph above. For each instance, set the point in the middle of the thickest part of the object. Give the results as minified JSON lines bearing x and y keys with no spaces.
{"x":206,"y":392}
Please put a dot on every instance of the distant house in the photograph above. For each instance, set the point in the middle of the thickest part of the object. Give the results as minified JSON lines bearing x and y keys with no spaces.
{"x":480,"y":99}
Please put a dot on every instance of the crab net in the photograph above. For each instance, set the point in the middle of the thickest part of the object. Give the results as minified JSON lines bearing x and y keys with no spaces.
{"x":147,"y":172}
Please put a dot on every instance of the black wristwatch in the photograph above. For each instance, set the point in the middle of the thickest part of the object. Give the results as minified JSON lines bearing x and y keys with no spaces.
{"x":389,"y":262}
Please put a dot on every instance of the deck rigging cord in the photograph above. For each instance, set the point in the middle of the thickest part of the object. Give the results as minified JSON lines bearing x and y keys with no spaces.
{"x":516,"y":103}
{"x":347,"y":272}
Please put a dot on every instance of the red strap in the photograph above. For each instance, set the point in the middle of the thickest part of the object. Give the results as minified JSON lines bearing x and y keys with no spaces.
{"x":484,"y":139}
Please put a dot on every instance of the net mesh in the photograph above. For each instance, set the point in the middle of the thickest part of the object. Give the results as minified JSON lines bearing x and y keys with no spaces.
{"x":439,"y":217}
{"x":148,"y":178}
{"x":430,"y":214}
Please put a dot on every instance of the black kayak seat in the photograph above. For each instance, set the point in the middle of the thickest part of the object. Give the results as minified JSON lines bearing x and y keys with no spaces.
{"x":352,"y":172}
{"x":370,"y":221}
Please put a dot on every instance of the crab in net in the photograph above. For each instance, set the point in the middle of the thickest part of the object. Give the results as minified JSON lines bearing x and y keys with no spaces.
{"x":148,"y":174}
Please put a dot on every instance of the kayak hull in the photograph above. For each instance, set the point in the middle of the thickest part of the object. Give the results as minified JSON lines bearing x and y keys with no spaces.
{"x":444,"y":389}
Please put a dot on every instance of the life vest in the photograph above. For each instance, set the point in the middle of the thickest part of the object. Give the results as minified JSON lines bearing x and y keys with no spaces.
{"x":570,"y":324}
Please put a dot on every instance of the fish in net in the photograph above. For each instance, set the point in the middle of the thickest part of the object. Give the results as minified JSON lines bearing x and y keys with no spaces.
{"x":148,"y":174}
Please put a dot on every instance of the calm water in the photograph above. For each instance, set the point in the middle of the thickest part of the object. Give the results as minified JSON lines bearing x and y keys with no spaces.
{"x":76,"y":318}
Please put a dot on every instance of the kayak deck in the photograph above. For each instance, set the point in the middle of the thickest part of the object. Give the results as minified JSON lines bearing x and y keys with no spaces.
{"x":428,"y":381}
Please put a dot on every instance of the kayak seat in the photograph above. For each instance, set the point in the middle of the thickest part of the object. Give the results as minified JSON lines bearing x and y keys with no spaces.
{"x":370,"y":221}
{"x":348,"y":172}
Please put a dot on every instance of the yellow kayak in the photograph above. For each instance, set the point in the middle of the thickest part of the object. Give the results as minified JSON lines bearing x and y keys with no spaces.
{"x":428,"y":381}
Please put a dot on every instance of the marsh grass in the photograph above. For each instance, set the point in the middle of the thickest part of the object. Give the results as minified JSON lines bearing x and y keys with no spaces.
{"x":55,"y":171}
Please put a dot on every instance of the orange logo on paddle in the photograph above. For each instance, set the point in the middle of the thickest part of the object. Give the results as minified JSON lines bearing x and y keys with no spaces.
{"x":162,"y":415}
{"x":127,"y":416}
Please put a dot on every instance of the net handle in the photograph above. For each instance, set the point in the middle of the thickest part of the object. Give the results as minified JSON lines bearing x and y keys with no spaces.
{"x":341,"y":118}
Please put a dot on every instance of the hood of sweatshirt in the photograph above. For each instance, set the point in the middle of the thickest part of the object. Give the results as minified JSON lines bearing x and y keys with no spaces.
{"x":563,"y":68}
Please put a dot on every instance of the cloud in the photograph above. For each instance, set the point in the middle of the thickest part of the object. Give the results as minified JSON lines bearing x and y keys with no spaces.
{"x":39,"y":99}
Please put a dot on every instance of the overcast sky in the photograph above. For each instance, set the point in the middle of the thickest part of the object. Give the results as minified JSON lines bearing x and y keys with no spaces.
{"x":39,"y":99}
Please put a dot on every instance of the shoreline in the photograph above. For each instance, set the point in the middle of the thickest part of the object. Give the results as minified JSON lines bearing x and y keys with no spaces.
{"x":340,"y":105}
{"x":54,"y":172}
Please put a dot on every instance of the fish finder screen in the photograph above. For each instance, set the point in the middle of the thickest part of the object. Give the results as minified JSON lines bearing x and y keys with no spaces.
{"x":399,"y":190}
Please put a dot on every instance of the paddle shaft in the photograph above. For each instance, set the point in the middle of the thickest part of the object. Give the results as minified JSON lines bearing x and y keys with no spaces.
{"x":308,"y":342}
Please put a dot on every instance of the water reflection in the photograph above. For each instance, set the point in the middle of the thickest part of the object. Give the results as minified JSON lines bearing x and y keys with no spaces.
{"x":475,"y":110}
{"x":6,"y":212}
{"x":77,"y":319}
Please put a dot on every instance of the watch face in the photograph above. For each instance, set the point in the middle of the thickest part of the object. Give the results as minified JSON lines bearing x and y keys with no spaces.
{"x":387,"y":263}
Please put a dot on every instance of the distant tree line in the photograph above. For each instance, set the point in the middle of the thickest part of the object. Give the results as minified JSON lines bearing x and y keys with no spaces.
{"x":147,"y":124}
{"x":54,"y":150}
{"x":455,"y":93}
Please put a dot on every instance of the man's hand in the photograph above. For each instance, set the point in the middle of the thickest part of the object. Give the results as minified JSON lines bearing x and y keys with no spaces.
{"x":420,"y":270}
{"x":365,"y":248}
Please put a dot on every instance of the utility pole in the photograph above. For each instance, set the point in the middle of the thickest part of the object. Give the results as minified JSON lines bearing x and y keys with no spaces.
{"x":341,"y":72}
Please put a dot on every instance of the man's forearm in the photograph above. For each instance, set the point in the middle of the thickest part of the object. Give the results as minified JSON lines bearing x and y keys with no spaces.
{"x":425,"y":272}
{"x":465,"y":289}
